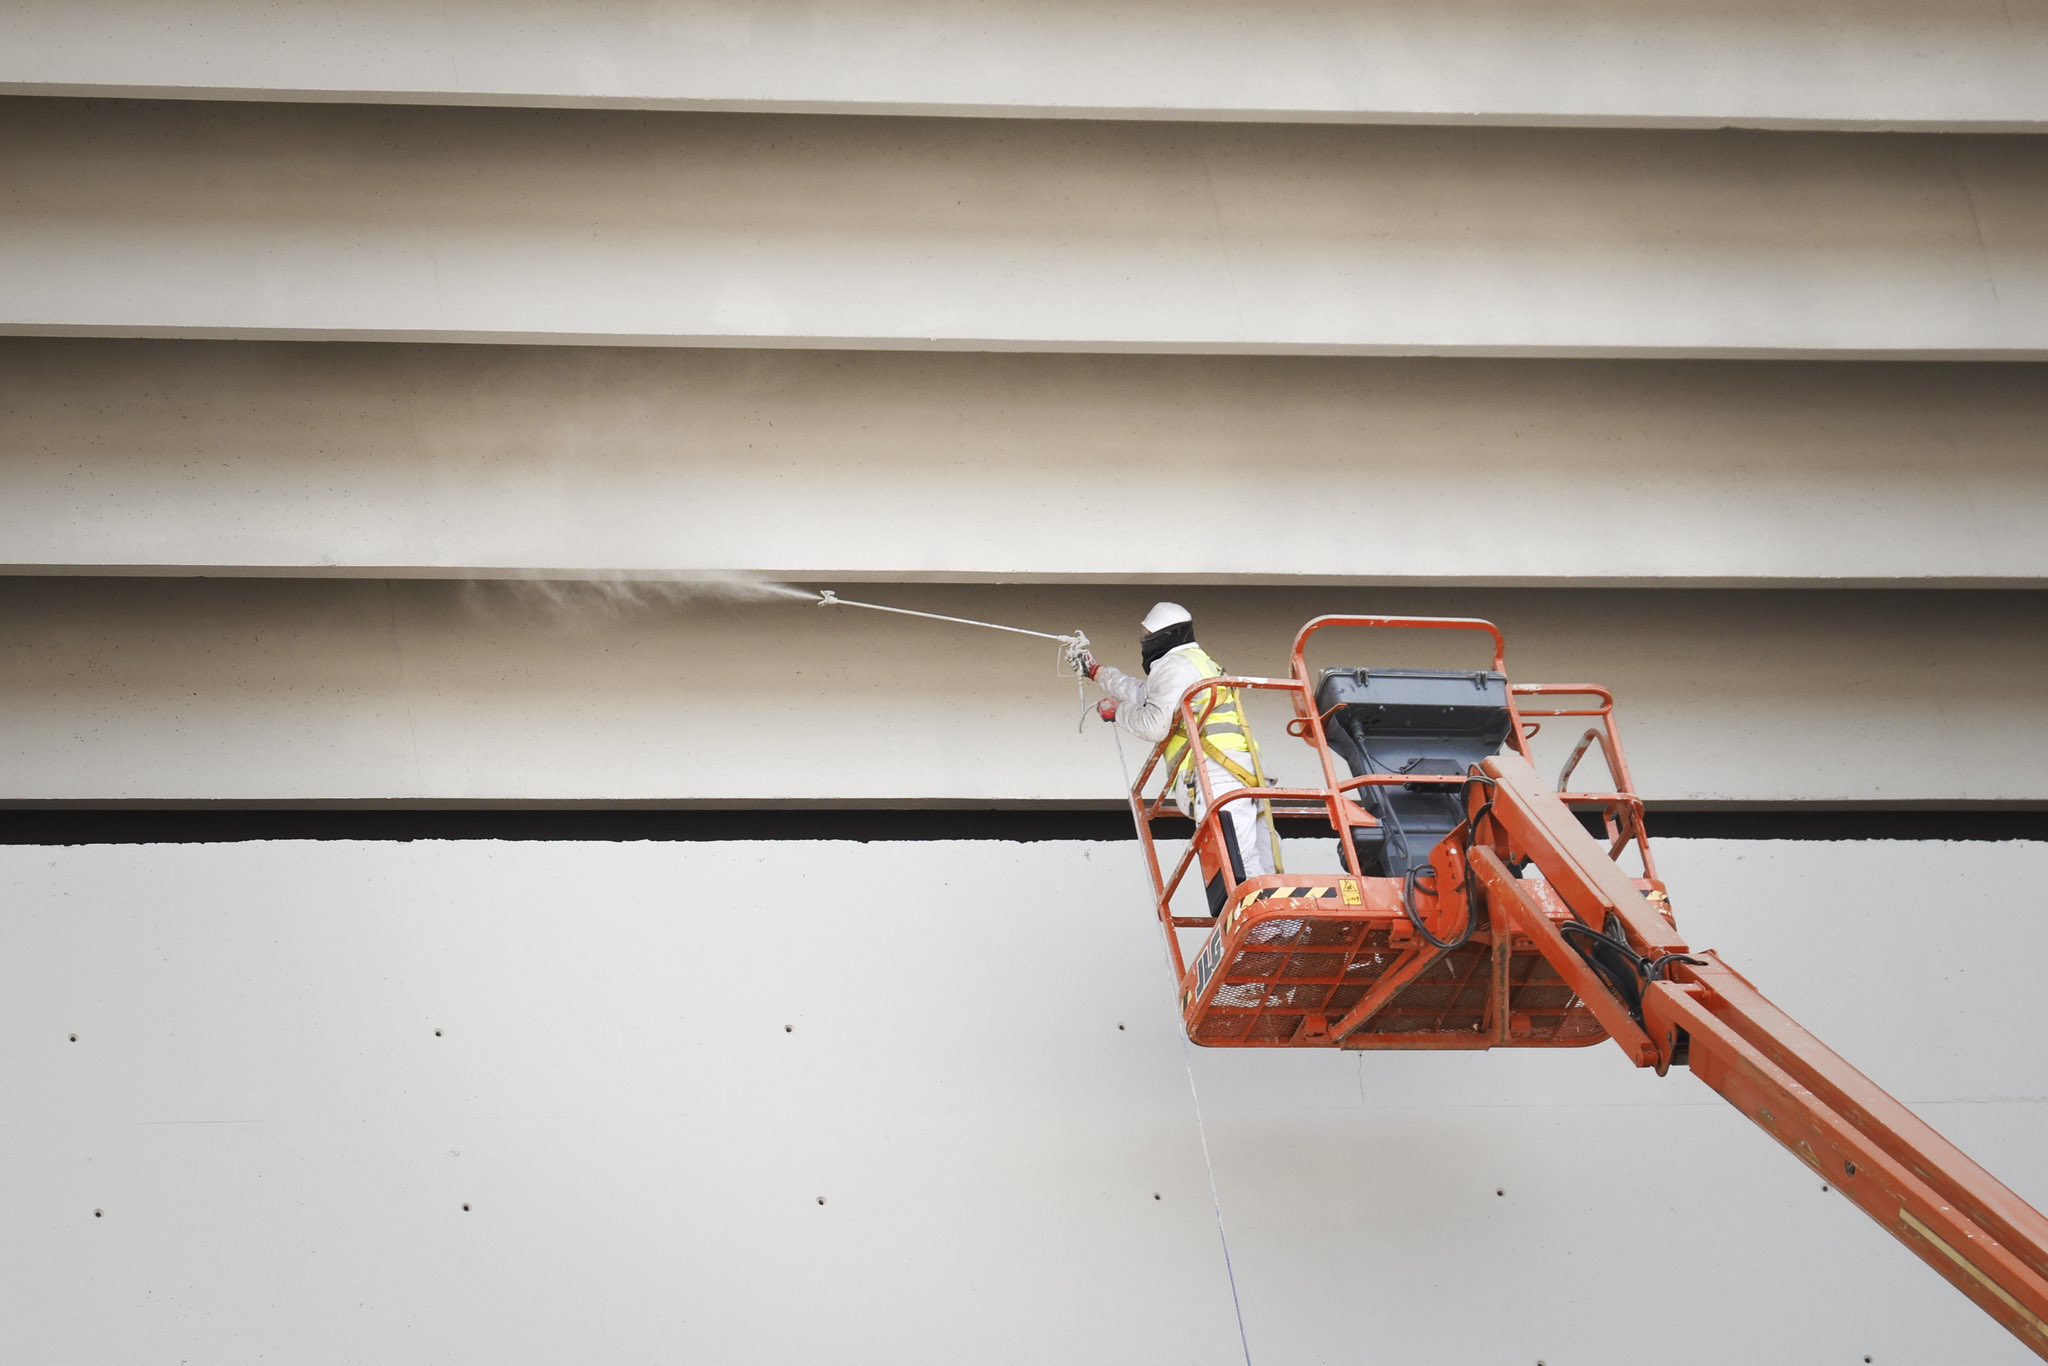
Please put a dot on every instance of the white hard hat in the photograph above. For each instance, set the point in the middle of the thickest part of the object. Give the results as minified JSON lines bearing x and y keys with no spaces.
{"x":1163,"y":615}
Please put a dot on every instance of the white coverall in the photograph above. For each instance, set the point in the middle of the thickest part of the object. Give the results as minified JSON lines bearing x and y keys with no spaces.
{"x":1147,"y":707}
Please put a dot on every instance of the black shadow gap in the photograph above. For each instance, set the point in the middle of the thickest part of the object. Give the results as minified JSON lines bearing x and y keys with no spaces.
{"x":68,"y":824}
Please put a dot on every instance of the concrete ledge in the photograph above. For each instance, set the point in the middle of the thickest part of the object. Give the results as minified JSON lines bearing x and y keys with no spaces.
{"x":527,"y":225}
{"x":421,"y":461}
{"x":125,"y":689}
{"x":1951,"y":64}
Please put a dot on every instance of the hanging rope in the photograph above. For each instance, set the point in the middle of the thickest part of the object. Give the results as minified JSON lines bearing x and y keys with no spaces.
{"x":1187,"y":1058}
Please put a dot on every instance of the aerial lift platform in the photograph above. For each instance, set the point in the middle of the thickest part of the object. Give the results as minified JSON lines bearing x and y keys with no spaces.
{"x":1469,"y":904}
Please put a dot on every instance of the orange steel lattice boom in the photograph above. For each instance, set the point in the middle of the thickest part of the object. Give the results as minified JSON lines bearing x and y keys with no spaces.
{"x":1472,"y":905}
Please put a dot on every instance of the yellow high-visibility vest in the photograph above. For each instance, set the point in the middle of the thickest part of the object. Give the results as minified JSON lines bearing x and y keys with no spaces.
{"x":1223,"y":732}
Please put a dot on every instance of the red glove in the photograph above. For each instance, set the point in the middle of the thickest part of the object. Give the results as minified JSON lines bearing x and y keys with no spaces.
{"x":1106,"y":709}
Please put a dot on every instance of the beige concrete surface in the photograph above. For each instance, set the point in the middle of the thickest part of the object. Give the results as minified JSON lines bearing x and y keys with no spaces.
{"x":492,"y":224}
{"x":652,"y":1060}
{"x":289,"y":458}
{"x":321,"y":690}
{"x":1799,"y":63}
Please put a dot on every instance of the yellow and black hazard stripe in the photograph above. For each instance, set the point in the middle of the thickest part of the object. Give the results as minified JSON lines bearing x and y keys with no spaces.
{"x":1345,"y":890}
{"x":1293,"y":894}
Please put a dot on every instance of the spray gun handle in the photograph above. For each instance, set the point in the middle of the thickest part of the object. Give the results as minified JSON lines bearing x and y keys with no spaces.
{"x":1074,"y":654}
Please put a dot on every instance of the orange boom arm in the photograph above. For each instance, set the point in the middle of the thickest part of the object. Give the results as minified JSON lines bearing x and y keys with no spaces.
{"x":1954,"y":1215}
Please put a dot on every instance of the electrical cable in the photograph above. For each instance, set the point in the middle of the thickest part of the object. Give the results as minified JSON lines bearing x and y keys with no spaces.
{"x":1660,"y":965}
{"x":1473,"y":778}
{"x":1648,"y":969}
{"x":1408,"y":885}
{"x":1397,"y":835}
{"x":1630,"y":993}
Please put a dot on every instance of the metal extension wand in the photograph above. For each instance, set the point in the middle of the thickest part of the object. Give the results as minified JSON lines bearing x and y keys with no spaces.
{"x":1075,"y":641}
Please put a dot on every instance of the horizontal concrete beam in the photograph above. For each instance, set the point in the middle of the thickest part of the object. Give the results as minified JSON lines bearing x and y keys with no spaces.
{"x":119,"y":689}
{"x":189,"y":219}
{"x":211,"y":457}
{"x":1758,"y":63}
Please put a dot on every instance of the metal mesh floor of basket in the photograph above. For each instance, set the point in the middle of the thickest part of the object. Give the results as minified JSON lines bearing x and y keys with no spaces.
{"x":1335,"y":963}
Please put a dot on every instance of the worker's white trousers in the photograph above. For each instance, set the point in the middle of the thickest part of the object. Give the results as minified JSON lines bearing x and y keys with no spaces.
{"x":1254,"y":848}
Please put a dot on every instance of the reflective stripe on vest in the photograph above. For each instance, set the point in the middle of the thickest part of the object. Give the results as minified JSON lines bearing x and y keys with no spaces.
{"x":1223,"y":732}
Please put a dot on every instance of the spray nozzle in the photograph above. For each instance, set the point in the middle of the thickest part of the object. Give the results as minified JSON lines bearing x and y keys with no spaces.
{"x":828,"y":598}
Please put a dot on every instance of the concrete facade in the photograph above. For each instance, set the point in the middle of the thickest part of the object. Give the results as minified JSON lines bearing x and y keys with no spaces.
{"x":408,"y":406}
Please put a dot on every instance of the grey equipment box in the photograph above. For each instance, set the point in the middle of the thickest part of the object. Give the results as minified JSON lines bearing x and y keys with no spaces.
{"x":1415,"y":721}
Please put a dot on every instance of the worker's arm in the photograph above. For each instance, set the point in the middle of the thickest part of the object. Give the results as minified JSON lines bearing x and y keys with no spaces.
{"x":1120,"y":685}
{"x":1146,"y":707}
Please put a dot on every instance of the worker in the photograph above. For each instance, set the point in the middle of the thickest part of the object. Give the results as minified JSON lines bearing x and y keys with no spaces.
{"x":1148,"y":707}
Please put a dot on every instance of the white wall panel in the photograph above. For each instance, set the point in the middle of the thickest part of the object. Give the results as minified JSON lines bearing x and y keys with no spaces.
{"x":1795,"y":62}
{"x":297,"y":458}
{"x":452,"y":224}
{"x":314,"y":690}
{"x":280,"y":1145}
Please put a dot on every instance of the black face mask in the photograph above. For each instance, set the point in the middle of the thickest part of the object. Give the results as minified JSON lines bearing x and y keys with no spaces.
{"x":1151,"y":648}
